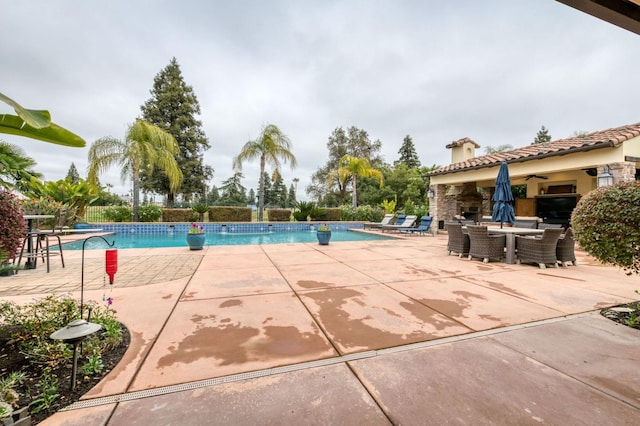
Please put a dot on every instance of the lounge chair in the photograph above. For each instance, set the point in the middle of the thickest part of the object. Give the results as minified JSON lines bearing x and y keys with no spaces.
{"x":485,"y":246}
{"x":458,"y":240}
{"x":540,"y":250}
{"x":425,"y":226}
{"x":408,"y":222}
{"x":386,"y":220}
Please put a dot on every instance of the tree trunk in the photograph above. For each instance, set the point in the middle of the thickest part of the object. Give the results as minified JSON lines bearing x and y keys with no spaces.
{"x":136,"y":196}
{"x":261,"y":190}
{"x":354,"y":198}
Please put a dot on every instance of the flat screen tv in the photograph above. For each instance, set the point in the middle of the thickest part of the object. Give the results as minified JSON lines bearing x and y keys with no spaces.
{"x":556,"y":209}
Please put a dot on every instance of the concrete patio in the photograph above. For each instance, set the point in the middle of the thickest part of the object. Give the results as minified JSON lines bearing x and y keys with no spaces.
{"x":382,"y":332}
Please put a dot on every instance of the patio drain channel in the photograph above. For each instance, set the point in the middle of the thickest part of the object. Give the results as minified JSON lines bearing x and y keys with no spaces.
{"x":164,"y":390}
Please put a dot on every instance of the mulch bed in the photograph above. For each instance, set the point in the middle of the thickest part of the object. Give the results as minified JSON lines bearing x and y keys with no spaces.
{"x":12,"y":360}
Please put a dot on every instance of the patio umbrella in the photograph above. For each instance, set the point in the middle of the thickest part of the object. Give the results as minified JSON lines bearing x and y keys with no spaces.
{"x":503,"y":197}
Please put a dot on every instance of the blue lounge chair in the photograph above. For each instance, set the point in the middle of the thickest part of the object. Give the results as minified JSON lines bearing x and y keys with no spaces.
{"x":425,"y":226}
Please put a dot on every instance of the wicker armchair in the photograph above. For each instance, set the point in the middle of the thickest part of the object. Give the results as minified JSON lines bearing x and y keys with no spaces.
{"x":540,"y":250}
{"x":483,"y":245}
{"x":458,"y":240}
{"x":565,"y":250}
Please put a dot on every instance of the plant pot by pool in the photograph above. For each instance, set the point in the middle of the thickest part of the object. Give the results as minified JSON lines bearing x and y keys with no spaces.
{"x":323,"y":237}
{"x":195,"y":241}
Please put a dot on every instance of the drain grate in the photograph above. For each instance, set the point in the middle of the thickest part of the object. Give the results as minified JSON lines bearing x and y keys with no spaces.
{"x":130,"y":396}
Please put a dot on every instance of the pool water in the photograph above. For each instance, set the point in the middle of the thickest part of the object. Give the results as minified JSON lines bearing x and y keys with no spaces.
{"x":177,"y":239}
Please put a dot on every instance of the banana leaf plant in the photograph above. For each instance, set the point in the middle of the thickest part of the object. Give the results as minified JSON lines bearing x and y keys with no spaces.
{"x":36,"y":124}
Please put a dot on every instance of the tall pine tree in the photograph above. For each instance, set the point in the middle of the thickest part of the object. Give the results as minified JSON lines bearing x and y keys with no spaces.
{"x":408,"y":154}
{"x":172,"y":107}
{"x":542,"y":136}
{"x":72,"y":175}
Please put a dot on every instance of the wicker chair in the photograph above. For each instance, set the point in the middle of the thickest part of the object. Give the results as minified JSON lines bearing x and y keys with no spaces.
{"x":549,"y":225}
{"x":540,"y":250}
{"x":458,"y":240}
{"x":485,"y":246}
{"x":565,"y":250}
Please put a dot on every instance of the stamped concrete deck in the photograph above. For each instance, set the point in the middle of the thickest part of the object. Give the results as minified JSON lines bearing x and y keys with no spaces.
{"x":383,"y":332}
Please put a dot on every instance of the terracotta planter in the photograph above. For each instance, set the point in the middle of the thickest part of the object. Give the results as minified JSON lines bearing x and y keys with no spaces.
{"x":195,"y":241}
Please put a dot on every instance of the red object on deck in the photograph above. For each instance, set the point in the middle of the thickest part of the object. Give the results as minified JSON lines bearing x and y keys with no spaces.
{"x":111,"y":263}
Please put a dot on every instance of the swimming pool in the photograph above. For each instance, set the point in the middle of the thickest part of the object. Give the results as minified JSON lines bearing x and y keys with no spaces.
{"x":156,"y":235}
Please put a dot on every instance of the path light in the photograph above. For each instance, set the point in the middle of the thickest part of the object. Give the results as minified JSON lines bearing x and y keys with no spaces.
{"x":74,"y":333}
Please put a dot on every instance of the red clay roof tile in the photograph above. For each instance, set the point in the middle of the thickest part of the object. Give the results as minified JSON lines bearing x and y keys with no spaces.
{"x":601,"y":139}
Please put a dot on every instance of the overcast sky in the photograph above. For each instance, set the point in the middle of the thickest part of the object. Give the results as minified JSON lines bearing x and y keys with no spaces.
{"x":493,"y":71}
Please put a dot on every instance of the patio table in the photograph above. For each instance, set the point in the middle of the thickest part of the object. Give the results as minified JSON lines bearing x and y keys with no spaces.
{"x":511,"y":233}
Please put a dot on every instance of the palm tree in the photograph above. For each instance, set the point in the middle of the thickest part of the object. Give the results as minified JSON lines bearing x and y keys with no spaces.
{"x":350,"y":167}
{"x":15,"y":166}
{"x":271,"y":146}
{"x":144,"y":148}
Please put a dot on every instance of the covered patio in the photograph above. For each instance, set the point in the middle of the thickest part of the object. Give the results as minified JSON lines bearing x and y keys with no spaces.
{"x":553,"y":175}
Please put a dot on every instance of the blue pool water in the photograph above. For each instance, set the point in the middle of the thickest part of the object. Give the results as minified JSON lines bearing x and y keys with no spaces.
{"x":178,"y":239}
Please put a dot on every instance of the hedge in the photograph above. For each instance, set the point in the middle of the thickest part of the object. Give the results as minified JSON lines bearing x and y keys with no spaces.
{"x":279,"y":215}
{"x":229,"y":214}
{"x":179,"y":215}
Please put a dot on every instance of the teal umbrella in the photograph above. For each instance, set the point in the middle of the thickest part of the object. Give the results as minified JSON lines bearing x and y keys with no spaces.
{"x":503,"y":197}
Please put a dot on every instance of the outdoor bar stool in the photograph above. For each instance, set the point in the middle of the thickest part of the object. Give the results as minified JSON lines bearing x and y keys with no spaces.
{"x":41,"y":244}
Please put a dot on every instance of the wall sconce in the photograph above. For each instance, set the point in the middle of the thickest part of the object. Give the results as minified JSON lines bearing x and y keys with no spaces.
{"x":606,"y":178}
{"x":430,"y":193}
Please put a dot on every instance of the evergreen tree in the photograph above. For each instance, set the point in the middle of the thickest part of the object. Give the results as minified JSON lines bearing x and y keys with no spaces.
{"x":232,"y":192}
{"x":354,"y":142}
{"x":408,"y":154}
{"x":291,"y":197}
{"x":172,"y":107}
{"x":213,"y":196}
{"x":251,"y":198}
{"x":279,"y":190}
{"x":268,"y":193}
{"x":542,"y":136}
{"x":72,"y":174}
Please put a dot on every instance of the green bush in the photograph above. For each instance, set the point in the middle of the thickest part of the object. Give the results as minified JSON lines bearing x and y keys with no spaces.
{"x":179,"y":215}
{"x":119,"y":214}
{"x":279,"y":215}
{"x":11,"y":225}
{"x":303,"y":210}
{"x":318,"y":213}
{"x":229,"y":214}
{"x":149,"y":213}
{"x":363,"y":213}
{"x":606,"y":223}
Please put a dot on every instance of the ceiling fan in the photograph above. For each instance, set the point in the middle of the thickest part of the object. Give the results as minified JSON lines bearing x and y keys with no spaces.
{"x":536,"y":176}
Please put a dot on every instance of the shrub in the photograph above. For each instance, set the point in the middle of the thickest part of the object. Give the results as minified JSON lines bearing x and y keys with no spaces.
{"x":149,"y":213}
{"x":279,"y":215}
{"x":229,"y":214}
{"x":119,"y":214}
{"x":12,"y":227}
{"x":606,"y":223}
{"x":179,"y":215}
{"x":304,"y":209}
{"x":201,"y":209}
{"x":318,"y":213}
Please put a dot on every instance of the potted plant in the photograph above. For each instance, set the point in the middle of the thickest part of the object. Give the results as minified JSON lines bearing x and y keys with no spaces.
{"x":195,"y":237}
{"x":324,"y":234}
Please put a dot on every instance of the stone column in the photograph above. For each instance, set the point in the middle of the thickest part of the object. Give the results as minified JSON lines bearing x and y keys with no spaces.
{"x":624,"y":171}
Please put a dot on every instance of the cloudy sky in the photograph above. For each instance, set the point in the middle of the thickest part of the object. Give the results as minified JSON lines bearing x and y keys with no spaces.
{"x":493,"y":71}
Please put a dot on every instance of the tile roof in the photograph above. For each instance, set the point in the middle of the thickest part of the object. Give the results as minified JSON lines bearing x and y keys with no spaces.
{"x":601,"y":139}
